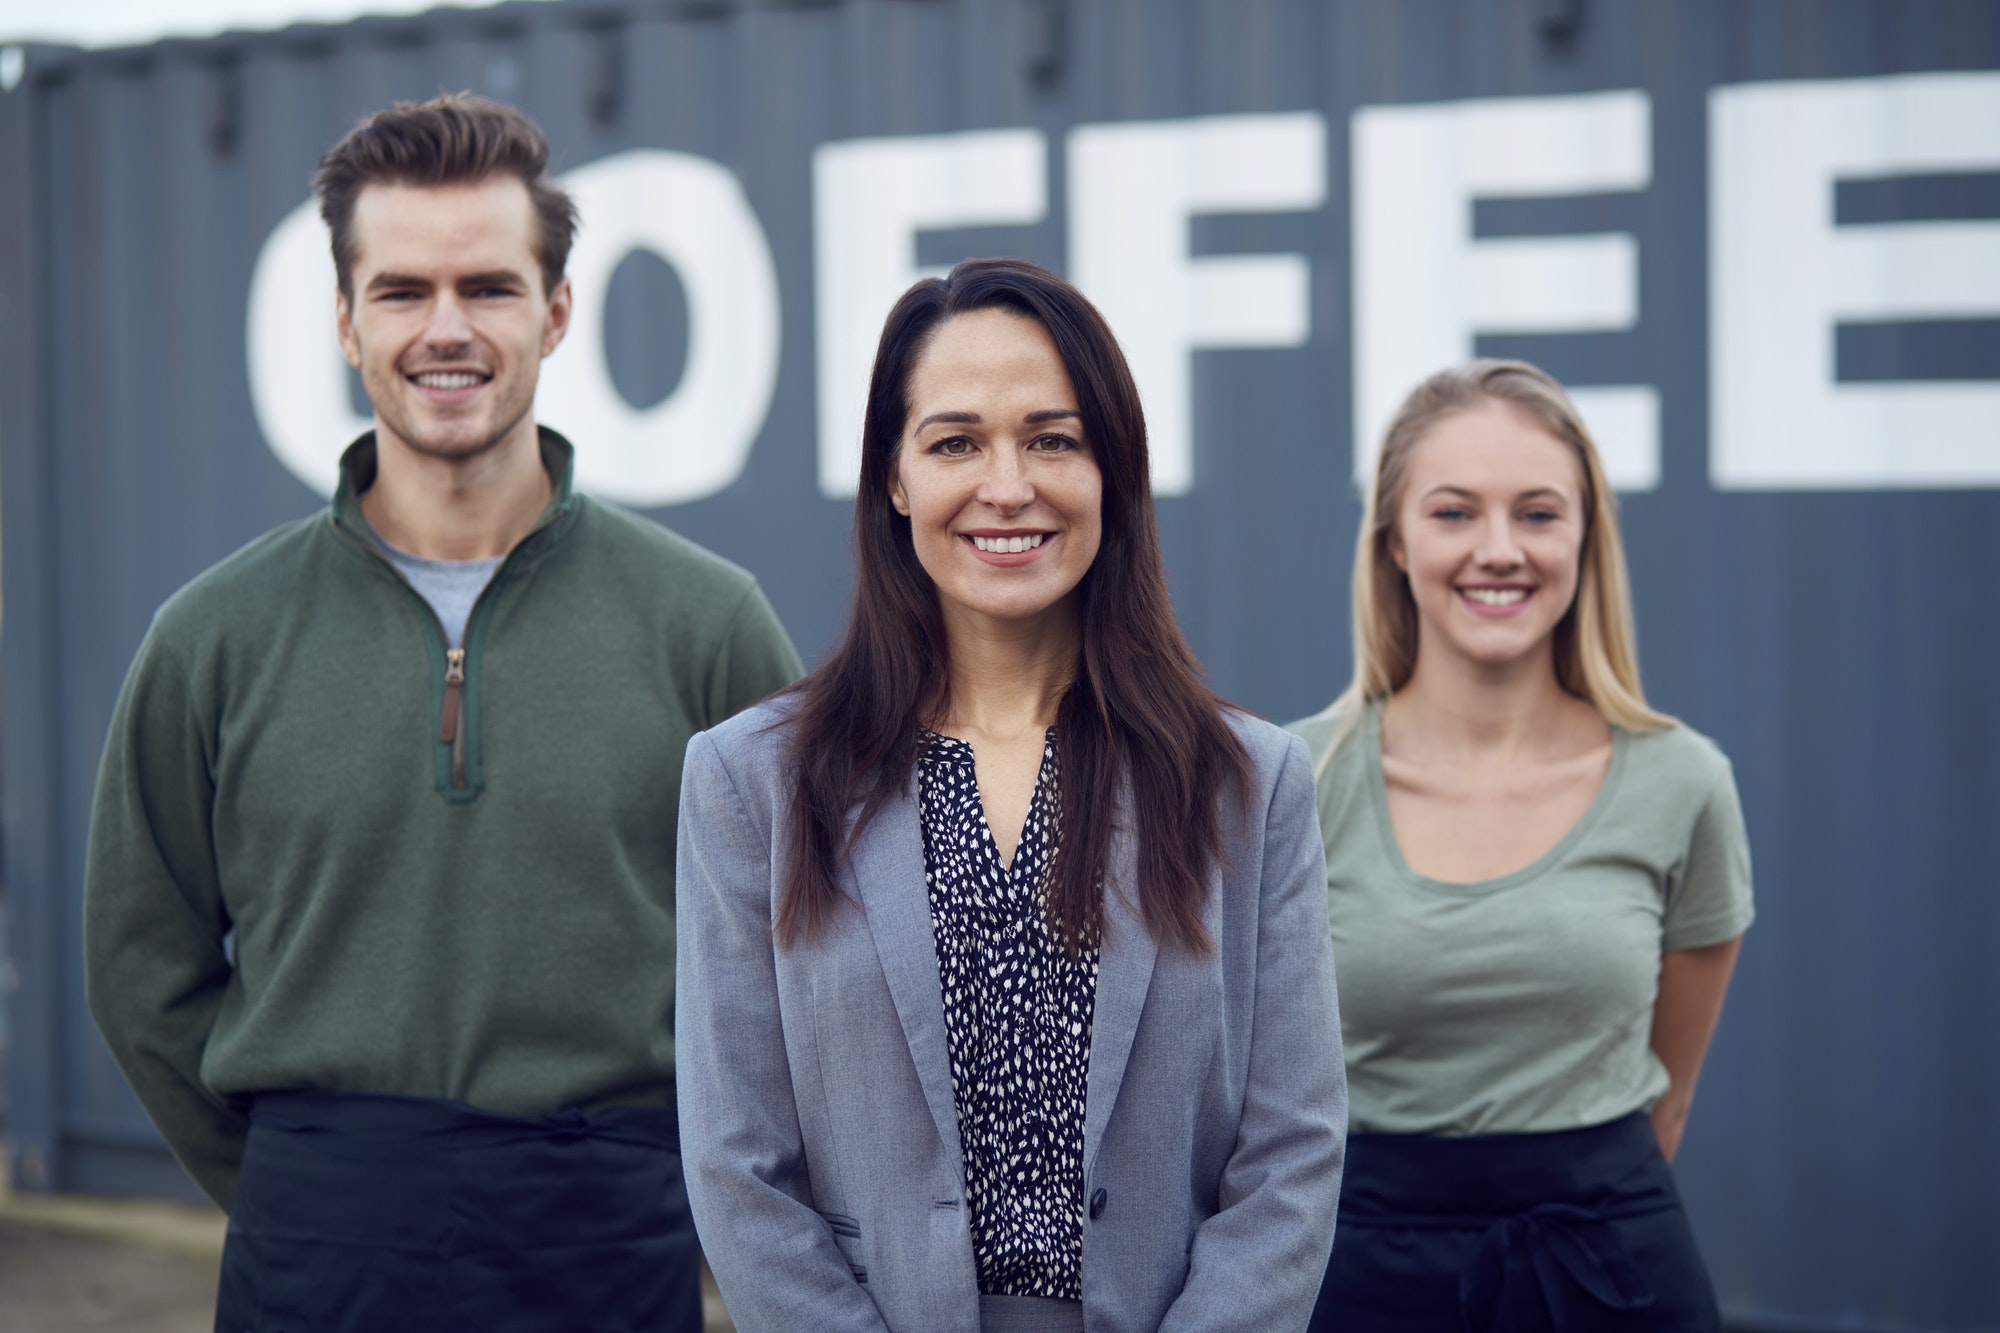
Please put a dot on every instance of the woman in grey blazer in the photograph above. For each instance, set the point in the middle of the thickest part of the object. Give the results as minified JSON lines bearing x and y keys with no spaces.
{"x":1005,"y":994}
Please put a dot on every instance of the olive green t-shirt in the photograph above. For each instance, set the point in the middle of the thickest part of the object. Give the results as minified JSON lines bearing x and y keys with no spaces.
{"x":1523,"y":1004}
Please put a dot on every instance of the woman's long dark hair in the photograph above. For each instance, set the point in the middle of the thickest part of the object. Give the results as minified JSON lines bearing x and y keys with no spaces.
{"x":1138,"y":709}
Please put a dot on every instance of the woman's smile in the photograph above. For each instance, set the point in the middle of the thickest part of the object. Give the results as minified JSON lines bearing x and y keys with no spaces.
{"x":1009,"y":550}
{"x":1492,"y":600}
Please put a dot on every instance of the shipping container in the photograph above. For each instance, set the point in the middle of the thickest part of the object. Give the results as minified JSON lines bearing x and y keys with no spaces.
{"x":1760,"y":238}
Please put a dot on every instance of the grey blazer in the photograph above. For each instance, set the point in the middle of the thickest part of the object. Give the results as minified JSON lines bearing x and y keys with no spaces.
{"x":818,"y":1131}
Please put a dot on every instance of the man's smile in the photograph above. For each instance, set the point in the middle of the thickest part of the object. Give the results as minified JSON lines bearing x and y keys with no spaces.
{"x":449,"y":379}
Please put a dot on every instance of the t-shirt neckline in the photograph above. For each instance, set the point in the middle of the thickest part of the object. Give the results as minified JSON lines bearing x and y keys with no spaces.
{"x":486,"y":564}
{"x":1378,"y":797}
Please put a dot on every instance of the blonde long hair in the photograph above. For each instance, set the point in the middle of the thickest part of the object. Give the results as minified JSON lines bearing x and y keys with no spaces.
{"x":1596,"y":652}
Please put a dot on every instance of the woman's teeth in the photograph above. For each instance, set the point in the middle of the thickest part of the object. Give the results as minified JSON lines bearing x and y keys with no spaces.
{"x":443,"y":380}
{"x":1008,"y":545}
{"x":1495,"y":596}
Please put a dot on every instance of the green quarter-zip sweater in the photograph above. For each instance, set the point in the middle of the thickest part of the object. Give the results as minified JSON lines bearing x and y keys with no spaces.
{"x":329,"y":853}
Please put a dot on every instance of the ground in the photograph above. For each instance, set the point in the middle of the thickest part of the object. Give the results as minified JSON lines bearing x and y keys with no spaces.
{"x":54,"y":1281}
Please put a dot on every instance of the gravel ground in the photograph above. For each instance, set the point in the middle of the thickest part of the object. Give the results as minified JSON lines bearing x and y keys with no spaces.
{"x":54,"y":1282}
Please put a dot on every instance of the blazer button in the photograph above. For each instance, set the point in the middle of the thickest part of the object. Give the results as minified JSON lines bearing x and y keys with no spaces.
{"x":1097,"y":1199}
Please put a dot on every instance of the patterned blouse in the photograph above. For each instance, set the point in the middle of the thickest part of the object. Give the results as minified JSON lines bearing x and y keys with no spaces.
{"x":1017,"y":1012}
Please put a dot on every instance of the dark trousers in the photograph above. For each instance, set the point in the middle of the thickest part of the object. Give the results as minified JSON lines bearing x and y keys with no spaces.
{"x":1580,"y":1231}
{"x":367,"y":1214}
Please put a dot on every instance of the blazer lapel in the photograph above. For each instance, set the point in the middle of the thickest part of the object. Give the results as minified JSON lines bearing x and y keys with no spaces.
{"x":1124,"y":973}
{"x":887,"y":868}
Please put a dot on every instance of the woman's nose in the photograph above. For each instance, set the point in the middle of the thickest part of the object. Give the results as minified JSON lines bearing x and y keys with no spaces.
{"x":1497,"y":546}
{"x":1006,"y":485}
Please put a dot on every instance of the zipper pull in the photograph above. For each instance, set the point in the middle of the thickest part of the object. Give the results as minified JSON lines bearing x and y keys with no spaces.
{"x":454,"y":682}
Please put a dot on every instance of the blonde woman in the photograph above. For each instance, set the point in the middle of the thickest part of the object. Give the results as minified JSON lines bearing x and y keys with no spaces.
{"x":1537,"y":887}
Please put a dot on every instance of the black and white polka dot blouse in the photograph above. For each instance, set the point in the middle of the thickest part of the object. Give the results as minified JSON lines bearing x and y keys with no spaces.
{"x":1017,"y":1012}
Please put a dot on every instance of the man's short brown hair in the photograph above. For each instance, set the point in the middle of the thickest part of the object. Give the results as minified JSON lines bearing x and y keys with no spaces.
{"x":456,"y":139}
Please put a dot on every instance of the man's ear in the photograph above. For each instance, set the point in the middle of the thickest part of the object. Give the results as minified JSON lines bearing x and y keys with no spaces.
{"x":561,"y":302}
{"x":343,"y":327}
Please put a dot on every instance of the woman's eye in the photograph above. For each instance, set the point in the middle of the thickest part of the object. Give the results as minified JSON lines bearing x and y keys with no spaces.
{"x":954,"y":446}
{"x":1540,"y":516}
{"x":1449,"y":514}
{"x":1053,"y":444}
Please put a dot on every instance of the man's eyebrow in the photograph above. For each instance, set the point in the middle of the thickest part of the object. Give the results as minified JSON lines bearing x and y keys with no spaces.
{"x":499,"y":277}
{"x":396,"y":280}
{"x":955,"y":418}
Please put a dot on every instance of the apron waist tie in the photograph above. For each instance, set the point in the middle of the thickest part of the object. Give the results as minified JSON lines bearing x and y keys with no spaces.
{"x":1508,"y":1283}
{"x":375,"y":1126}
{"x":1521,"y":1259}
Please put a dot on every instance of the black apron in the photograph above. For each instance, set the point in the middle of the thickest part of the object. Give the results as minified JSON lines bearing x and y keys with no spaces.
{"x":1579,"y":1231}
{"x":371,"y":1214}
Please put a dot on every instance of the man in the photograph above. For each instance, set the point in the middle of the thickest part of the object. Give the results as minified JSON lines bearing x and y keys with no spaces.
{"x":420,"y":754}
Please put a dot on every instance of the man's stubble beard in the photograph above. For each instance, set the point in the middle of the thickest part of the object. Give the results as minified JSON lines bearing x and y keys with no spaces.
{"x":450,"y":450}
{"x":389,"y":415}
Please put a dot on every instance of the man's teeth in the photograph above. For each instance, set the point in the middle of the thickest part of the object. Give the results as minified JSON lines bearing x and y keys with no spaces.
{"x":1495,"y":596}
{"x":1009,"y":545}
{"x":439,"y":379}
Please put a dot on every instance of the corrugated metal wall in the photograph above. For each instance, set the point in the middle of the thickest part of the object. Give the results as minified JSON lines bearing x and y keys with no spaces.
{"x":1813,"y":593}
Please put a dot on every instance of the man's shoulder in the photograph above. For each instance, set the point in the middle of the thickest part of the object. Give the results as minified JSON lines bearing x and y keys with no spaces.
{"x":632,"y":539}
{"x":240,"y":584}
